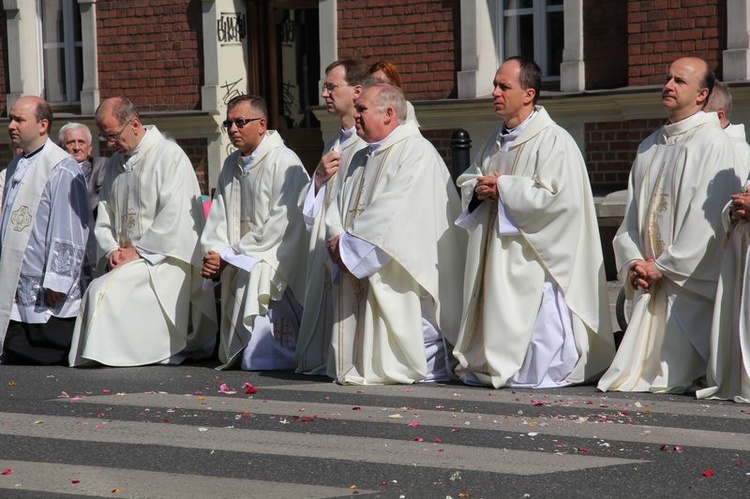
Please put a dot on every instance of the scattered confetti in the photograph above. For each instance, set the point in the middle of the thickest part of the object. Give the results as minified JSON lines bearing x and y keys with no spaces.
{"x":356,"y":408}
{"x":249,"y":389}
{"x":414,"y":424}
{"x":437,"y":441}
{"x":224,"y":388}
{"x":63,"y":395}
{"x":6,"y":471}
{"x":74,"y":481}
{"x":707,"y":473}
{"x":419,"y":439}
{"x":395,"y":416}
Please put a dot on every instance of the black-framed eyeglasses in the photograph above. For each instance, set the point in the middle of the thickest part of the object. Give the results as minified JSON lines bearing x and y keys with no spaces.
{"x":240,"y":123}
{"x":114,"y":137}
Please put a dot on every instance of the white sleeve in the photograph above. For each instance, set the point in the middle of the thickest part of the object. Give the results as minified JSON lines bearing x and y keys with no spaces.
{"x":360,"y":257}
{"x":313,"y":202}
{"x":243,"y":262}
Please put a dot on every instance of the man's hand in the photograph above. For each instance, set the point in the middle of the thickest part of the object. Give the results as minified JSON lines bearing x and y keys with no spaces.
{"x":54,"y":296}
{"x":643,"y":273}
{"x":741,"y":206}
{"x":328,"y":165}
{"x":212,"y":265}
{"x":333,"y":251}
{"x":121,"y":256}
{"x":487,"y":187}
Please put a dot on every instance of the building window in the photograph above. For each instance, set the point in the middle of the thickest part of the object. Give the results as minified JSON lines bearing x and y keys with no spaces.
{"x":62,"y":50}
{"x":534,"y":29}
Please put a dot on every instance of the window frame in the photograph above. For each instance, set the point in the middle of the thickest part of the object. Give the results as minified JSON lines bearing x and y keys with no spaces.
{"x":539,"y":12}
{"x":69,"y":44}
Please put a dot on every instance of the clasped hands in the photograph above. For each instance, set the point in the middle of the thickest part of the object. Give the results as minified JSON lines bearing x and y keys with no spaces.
{"x":487,"y":187}
{"x":740,"y":206}
{"x":643,"y":273}
{"x":122,"y":255}
{"x":213,"y":264}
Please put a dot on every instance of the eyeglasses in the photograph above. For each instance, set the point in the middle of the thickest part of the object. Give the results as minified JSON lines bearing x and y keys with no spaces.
{"x":241,"y":123}
{"x":115,"y":137}
{"x":331,"y":87}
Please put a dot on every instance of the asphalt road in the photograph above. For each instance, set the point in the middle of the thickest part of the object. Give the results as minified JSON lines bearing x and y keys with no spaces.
{"x":177,"y":432}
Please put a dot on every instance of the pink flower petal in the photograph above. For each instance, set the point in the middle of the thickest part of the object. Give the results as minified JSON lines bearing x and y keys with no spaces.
{"x":419,"y":439}
{"x":249,"y":389}
{"x":707,"y":473}
{"x":6,"y":471}
{"x":224,"y":388}
{"x":414,"y":424}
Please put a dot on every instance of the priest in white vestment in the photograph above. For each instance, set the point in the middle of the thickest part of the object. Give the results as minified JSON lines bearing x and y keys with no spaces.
{"x":256,"y":244}
{"x":668,"y":248}
{"x":728,"y":372}
{"x":399,"y":256}
{"x":341,"y":88}
{"x":536,"y":310}
{"x":43,"y":231}
{"x":149,"y":307}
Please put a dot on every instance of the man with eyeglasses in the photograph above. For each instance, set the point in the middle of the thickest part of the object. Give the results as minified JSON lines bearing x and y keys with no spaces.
{"x":255,"y":242}
{"x":43,"y":232}
{"x":341,"y":88}
{"x":149,"y":307}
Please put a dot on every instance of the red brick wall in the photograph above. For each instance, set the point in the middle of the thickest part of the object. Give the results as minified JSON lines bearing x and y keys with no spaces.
{"x":659,"y":33}
{"x":420,"y":36}
{"x":4,"y":83}
{"x":605,"y":43}
{"x":611,"y":148}
{"x":197,"y":151}
{"x":441,"y":139}
{"x":150,"y":51}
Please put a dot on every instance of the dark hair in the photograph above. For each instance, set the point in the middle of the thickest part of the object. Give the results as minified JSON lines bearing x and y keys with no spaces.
{"x":256,"y":102}
{"x":390,"y":71}
{"x":708,"y":81}
{"x":44,"y":112}
{"x":355,"y":70}
{"x":530,"y":75}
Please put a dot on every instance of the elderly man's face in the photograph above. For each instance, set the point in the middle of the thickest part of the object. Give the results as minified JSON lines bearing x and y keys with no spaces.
{"x":682,"y":94}
{"x":248,"y":138}
{"x":337,"y":93}
{"x":369,"y":119}
{"x":77,"y":144}
{"x":121,"y":137}
{"x":24,"y":130}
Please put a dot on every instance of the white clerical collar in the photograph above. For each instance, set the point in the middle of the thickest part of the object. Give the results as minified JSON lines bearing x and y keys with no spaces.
{"x":373,"y":147}
{"x":247,"y":161}
{"x":346,"y":134}
{"x":506,"y":136}
{"x":691,"y":117}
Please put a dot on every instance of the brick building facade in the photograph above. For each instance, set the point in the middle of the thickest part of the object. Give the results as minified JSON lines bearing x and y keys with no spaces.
{"x":181,"y":60}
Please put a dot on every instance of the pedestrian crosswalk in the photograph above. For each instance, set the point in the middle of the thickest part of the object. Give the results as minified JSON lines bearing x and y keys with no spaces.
{"x":316,"y":439}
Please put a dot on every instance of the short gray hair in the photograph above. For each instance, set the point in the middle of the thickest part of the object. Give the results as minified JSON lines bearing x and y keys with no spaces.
{"x":71,"y":127}
{"x":720,"y":98}
{"x":389,"y":96}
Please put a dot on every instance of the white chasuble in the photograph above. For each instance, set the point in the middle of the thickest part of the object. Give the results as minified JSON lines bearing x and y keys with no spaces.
{"x":536,"y":311}
{"x":255,"y":215}
{"x":682,"y":177}
{"x":402,"y":201}
{"x":314,"y":340}
{"x":152,"y":309}
{"x":728,"y":372}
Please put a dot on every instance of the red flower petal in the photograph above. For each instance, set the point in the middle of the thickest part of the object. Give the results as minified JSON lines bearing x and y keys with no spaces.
{"x":707,"y":473}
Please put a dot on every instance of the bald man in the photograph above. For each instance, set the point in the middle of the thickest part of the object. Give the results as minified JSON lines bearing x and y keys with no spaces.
{"x":668,"y":248}
{"x":45,"y":224}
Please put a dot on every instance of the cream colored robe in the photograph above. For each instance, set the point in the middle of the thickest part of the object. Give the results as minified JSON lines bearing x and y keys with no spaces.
{"x":258,"y":216}
{"x":737,"y":133}
{"x":548,"y":196}
{"x":403,"y":202}
{"x":681,"y":179}
{"x":728,"y":373}
{"x":314,"y":340}
{"x":152,"y":309}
